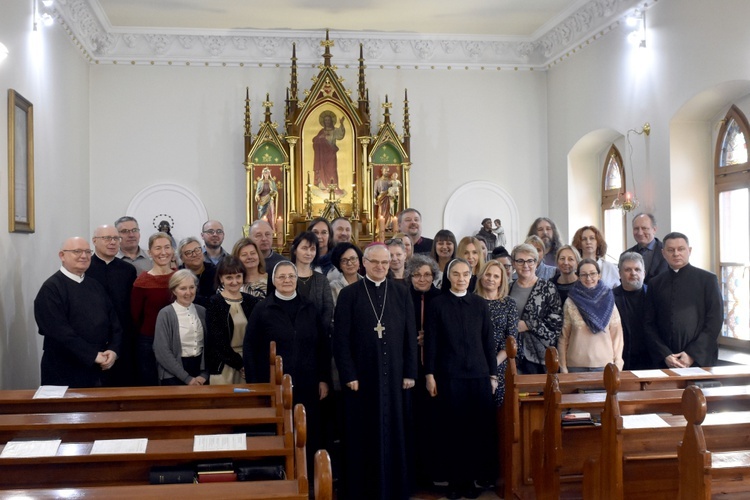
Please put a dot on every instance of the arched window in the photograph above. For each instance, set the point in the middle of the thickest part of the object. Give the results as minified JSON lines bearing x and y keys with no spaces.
{"x":732,"y":188}
{"x":613,"y":186}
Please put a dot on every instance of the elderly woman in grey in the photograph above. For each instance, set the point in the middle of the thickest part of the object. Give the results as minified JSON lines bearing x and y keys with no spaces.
{"x":180,"y":335}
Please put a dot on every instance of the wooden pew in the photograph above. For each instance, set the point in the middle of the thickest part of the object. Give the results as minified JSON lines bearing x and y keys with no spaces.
{"x":524,"y":410}
{"x":104,"y":399}
{"x":703,"y":473}
{"x":124,"y":476}
{"x":641,"y":462}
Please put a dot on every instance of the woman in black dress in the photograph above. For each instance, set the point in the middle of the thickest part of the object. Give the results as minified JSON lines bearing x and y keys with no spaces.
{"x":460,"y":368}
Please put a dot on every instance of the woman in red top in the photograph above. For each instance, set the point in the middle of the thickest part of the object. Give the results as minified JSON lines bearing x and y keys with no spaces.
{"x":150,"y":294}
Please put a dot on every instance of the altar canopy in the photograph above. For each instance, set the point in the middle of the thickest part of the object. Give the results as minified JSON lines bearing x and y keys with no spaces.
{"x":327,"y":162}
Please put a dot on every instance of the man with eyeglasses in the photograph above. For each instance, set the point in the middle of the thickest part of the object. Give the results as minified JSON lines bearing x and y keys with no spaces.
{"x":130,"y":250}
{"x":213,"y":236}
{"x":82,"y":334}
{"x":375,"y":348}
{"x":117,"y":277}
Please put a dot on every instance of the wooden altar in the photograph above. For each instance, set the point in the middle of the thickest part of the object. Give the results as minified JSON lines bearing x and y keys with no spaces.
{"x":327,"y":162}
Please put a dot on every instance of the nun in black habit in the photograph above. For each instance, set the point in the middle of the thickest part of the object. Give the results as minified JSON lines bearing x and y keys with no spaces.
{"x":461,"y":367}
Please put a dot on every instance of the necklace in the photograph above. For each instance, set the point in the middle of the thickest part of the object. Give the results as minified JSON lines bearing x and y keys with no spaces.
{"x":379,"y":328}
{"x":304,"y":281}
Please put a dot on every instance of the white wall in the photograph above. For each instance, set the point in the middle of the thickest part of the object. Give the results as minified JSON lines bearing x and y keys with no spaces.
{"x":153,"y":124}
{"x":694,"y":47}
{"x":47,"y":70}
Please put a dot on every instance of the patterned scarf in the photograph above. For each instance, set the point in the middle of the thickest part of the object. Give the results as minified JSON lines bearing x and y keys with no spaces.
{"x":594,"y":304}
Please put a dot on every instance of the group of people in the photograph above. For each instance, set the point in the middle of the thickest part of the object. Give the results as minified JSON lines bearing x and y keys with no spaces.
{"x":397,"y":351}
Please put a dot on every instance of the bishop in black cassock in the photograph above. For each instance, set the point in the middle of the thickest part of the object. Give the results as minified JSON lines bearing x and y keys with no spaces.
{"x":375,"y":347}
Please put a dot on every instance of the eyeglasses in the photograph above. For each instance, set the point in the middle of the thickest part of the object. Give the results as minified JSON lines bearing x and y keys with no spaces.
{"x":78,"y":252}
{"x":394,"y":240}
{"x":214,"y":231}
{"x":508,"y":266}
{"x":379,"y":262}
{"x":130,"y":231}
{"x":588,"y":276}
{"x":350,"y":260}
{"x":284,"y":277}
{"x":108,"y":238}
{"x":425,"y":276}
{"x":192,"y":253}
{"x":528,"y":262}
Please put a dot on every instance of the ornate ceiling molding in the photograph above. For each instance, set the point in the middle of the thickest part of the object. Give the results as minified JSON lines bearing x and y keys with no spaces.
{"x":102,"y":43}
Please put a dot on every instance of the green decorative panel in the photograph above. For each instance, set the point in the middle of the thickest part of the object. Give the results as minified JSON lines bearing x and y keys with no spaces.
{"x":268,"y":154}
{"x":386,"y":154}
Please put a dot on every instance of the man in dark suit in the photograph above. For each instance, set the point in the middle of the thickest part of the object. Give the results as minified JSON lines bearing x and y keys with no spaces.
{"x":650,"y":248}
{"x":684,"y":311}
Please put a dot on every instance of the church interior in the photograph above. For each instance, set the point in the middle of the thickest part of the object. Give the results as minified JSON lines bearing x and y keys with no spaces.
{"x":502,"y":122}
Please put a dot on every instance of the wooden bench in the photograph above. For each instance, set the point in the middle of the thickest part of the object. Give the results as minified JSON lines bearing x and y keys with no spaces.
{"x":126,"y":475}
{"x":524,"y":410}
{"x":170,"y":423}
{"x":702,"y":472}
{"x":104,"y":399}
{"x":640,"y":461}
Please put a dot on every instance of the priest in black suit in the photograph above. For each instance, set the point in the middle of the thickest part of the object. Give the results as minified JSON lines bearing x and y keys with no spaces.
{"x":81,"y":331}
{"x":684,"y":311}
{"x":648,"y":245}
{"x":375,"y":347}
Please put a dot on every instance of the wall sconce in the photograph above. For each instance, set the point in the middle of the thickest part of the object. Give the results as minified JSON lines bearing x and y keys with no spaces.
{"x":636,"y":21}
{"x":627,"y":201}
{"x":3,"y":52}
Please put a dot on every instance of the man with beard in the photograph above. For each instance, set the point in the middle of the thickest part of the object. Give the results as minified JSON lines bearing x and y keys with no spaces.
{"x":629,"y":299}
{"x":213,"y":236}
{"x":410,"y":223}
{"x":375,"y":348}
{"x":546,"y":229}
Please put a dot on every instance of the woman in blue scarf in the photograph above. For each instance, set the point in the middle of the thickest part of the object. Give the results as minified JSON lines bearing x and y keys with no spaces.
{"x":592,"y":332}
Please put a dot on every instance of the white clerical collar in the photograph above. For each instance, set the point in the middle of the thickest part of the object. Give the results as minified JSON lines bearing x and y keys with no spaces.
{"x":74,"y":277}
{"x":376,"y":283}
{"x":106,"y":261}
{"x":458,"y":294}
{"x":285,"y":297}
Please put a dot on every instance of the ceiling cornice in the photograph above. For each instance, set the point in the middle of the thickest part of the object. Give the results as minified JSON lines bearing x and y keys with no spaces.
{"x":101,"y":43}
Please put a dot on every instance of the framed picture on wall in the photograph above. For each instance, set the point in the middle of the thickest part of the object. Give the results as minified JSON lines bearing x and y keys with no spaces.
{"x":20,"y":164}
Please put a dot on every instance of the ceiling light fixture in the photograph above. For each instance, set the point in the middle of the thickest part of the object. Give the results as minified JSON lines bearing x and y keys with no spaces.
{"x":637,"y":22}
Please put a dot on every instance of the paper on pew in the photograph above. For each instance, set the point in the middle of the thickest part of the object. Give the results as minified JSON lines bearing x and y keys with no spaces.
{"x":645,"y":421}
{"x":50,"y":391}
{"x":119,"y":446}
{"x":25,"y":449}
{"x":649,"y":373}
{"x":693,"y":370}
{"x":220,"y":442}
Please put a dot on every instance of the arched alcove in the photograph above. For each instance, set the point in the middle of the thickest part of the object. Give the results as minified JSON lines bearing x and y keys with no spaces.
{"x":474,"y":201}
{"x":585,"y":161}
{"x":692,"y":140}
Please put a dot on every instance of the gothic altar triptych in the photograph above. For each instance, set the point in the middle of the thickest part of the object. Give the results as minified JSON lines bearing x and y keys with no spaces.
{"x":327,"y":162}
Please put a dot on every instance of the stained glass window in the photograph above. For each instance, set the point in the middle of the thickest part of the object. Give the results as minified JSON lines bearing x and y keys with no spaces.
{"x":613,"y":179}
{"x":734,"y":146}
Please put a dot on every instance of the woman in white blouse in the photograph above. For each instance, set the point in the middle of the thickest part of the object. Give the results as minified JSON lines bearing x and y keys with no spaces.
{"x":180,"y":335}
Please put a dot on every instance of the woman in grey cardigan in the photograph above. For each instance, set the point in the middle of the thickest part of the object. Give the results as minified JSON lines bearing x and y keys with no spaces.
{"x":179,"y":338}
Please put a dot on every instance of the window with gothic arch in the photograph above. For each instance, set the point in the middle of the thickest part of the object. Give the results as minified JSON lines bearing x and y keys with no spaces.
{"x":732,"y":203}
{"x":613,"y":187}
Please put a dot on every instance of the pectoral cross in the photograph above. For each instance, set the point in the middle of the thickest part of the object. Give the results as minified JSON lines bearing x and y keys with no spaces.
{"x":380,"y":329}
